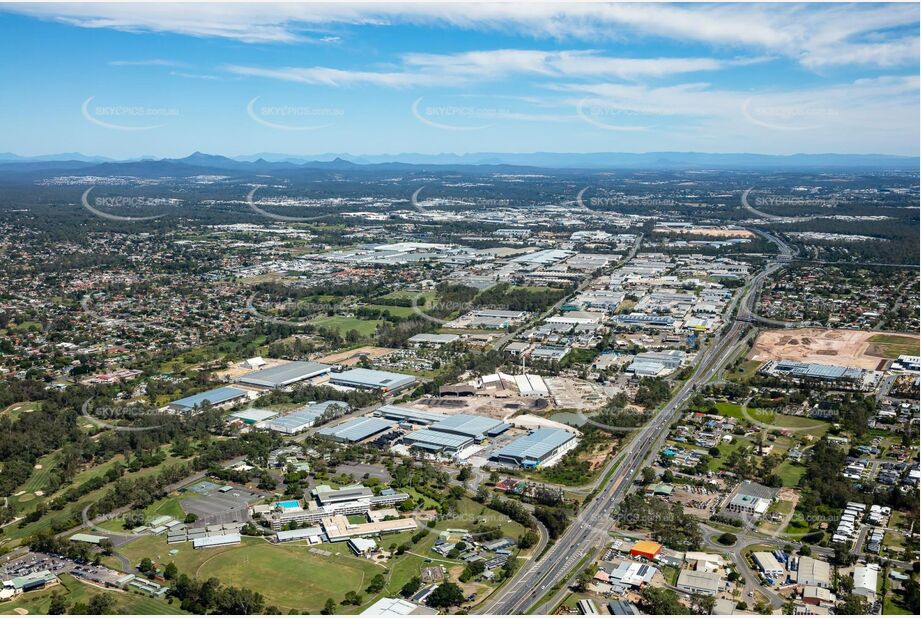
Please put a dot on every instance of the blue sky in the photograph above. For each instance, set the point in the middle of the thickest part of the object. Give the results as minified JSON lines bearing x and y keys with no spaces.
{"x":132,"y":80}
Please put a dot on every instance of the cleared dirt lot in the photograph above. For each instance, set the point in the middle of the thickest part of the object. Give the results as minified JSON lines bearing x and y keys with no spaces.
{"x":818,"y":345}
{"x":716,"y":232}
{"x":351,"y":357}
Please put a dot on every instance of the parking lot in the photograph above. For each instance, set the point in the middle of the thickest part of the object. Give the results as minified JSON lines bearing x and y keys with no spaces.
{"x":35,"y":562}
{"x":217,"y":507}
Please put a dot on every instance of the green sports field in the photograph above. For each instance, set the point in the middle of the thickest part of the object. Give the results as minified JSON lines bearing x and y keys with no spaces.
{"x":734,"y":410}
{"x":893,"y":346}
{"x":400,"y":312}
{"x":365,"y":328}
{"x":290,"y":576}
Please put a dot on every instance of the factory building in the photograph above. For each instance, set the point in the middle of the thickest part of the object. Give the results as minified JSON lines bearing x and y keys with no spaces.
{"x":812,"y":572}
{"x":223,"y":397}
{"x":253,"y":416}
{"x":768,"y":564}
{"x":432,"y":339}
{"x":699,"y":582}
{"x":355,"y":430}
{"x":409,"y":416}
{"x":285,"y":375}
{"x":840,"y":377}
{"x":751,"y":499}
{"x":451,"y":434}
{"x":306,"y":417}
{"x":477,"y":428}
{"x":646,"y":549}
{"x":644,"y":320}
{"x":656,"y":363}
{"x":370,"y":379}
{"x":437,"y":442}
{"x":536,"y":448}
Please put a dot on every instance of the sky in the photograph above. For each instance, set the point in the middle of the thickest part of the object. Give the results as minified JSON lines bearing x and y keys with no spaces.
{"x":130,"y":80}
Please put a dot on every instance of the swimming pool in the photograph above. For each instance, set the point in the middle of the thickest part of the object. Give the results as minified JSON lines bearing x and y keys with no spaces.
{"x":288,"y":504}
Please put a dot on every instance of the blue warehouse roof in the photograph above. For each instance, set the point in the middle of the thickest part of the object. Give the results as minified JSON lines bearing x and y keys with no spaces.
{"x":215,"y":396}
{"x":418,"y":417}
{"x":476,"y":427}
{"x":283,"y":375}
{"x":535,"y":446}
{"x":304,"y":417}
{"x":371,"y":378}
{"x":436,"y":440}
{"x":356,"y":429}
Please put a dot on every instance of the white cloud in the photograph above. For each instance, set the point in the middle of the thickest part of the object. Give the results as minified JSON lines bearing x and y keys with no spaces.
{"x":814,"y":35}
{"x":325,"y":76}
{"x":202,"y":76}
{"x":883,"y":103}
{"x":477,"y":66}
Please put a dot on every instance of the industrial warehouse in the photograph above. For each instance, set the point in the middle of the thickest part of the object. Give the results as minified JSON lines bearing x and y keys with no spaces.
{"x":223,"y":397}
{"x":845,"y":378}
{"x":373,"y":380}
{"x":306,"y":417}
{"x":456,"y":437}
{"x":454,"y":433}
{"x":285,"y":375}
{"x":356,"y":429}
{"x":539,"y":448}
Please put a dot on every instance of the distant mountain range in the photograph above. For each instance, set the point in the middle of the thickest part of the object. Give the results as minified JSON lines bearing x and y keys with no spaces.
{"x":600,"y":160}
{"x":263,"y":163}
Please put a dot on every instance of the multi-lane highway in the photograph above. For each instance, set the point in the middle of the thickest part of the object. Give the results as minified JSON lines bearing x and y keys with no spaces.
{"x":588,"y":533}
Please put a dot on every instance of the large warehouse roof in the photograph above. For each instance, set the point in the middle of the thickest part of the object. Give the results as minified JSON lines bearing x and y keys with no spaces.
{"x":371,"y":378}
{"x":436,"y":440}
{"x":536,"y":445}
{"x":283,"y":375}
{"x":356,"y":429}
{"x":818,"y":371}
{"x":254,"y":415}
{"x":418,"y":417}
{"x":302,"y":418}
{"x":468,"y":425}
{"x":215,"y":396}
{"x":433,"y":338}
{"x":814,"y":572}
{"x":531,"y":384}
